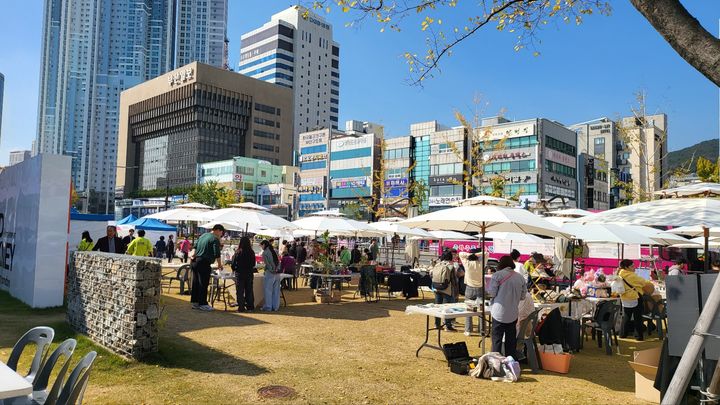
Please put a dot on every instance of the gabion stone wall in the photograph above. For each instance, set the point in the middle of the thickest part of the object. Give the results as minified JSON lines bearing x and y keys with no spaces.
{"x":115,"y":300}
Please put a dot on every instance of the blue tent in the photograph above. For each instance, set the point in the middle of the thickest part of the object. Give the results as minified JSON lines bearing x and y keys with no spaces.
{"x":151,"y":224}
{"x":78,"y":216}
{"x":127,"y":220}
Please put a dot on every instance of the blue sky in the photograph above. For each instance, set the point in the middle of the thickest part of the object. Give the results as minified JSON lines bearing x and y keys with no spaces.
{"x":584,"y":72}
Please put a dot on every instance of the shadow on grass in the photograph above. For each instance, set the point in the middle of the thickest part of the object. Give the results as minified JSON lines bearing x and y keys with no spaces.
{"x":175,"y":350}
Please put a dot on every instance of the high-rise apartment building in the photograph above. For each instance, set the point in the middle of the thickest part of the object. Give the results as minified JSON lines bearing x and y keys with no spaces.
{"x":2,"y":90}
{"x":298,"y":53}
{"x":201,"y":32}
{"x":92,"y":50}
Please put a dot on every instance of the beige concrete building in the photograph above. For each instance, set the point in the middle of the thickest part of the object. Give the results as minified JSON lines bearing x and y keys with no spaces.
{"x":197,"y":114}
{"x":645,"y":140}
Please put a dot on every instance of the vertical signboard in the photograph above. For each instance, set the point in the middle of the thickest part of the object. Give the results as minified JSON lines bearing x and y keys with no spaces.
{"x":34,"y":215}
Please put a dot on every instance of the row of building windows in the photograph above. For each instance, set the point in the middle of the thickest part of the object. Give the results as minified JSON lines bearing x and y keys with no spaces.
{"x":555,"y":190}
{"x":265,"y":134}
{"x":514,"y":166}
{"x":514,"y":189}
{"x":560,"y":146}
{"x":313,"y":165}
{"x":401,"y":153}
{"x":270,"y":67}
{"x":267,"y":109}
{"x":265,"y":147}
{"x":446,"y":190}
{"x":263,"y":121}
{"x":276,"y":75}
{"x":559,"y":168}
{"x":267,"y":58}
{"x":445,"y":169}
{"x":514,"y":143}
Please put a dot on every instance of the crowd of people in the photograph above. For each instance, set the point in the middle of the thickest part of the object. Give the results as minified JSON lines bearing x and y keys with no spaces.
{"x":136,"y":245}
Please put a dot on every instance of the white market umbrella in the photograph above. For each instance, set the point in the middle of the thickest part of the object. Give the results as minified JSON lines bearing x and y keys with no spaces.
{"x":180,"y":214}
{"x":514,"y":237}
{"x":195,"y":205}
{"x":364,"y":230}
{"x":327,"y":213}
{"x":706,"y":189}
{"x":392,"y":228}
{"x":334,"y":225}
{"x":661,"y":237}
{"x":484,"y":218}
{"x":486,"y":200}
{"x":698,"y":243}
{"x":254,"y":219}
{"x":606,"y":233}
{"x":249,"y":206}
{"x":569,"y":212}
{"x":703,"y":212}
{"x":694,"y":231}
{"x":443,"y":235}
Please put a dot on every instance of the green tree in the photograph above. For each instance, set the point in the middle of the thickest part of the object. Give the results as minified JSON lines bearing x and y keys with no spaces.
{"x":523,"y":19}
{"x":225,"y":197}
{"x":206,"y":193}
{"x":706,"y":170}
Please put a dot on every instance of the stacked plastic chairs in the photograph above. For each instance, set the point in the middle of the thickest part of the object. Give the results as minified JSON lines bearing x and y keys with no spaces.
{"x":63,"y":391}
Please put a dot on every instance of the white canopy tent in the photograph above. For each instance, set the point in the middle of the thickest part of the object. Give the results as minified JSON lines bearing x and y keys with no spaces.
{"x":696,"y":189}
{"x":180,"y":214}
{"x":249,"y":219}
{"x":391,"y":228}
{"x":249,"y":206}
{"x":483,"y":218}
{"x":487,"y":200}
{"x":195,"y":205}
{"x":569,"y":212}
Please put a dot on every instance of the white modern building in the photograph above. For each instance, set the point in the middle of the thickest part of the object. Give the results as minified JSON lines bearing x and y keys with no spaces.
{"x":298,"y":53}
{"x":18,"y":156}
{"x":201,"y":32}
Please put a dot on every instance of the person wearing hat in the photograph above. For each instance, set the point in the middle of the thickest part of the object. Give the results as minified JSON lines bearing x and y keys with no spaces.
{"x":207,"y":250}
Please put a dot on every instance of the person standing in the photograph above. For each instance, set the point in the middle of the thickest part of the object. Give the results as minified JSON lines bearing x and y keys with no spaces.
{"x":345,"y":256}
{"x":243,"y":264}
{"x":160,"y":248}
{"x":444,"y":282}
{"x":207,"y":250}
{"x":129,"y":237}
{"x":374,"y":249}
{"x":293,"y":250}
{"x":519,"y":267}
{"x":507,"y":289}
{"x":86,"y":242}
{"x":355,"y":255}
{"x":185,"y":247}
{"x":677,"y":268}
{"x":170,"y":249}
{"x":473,"y":284}
{"x":632,"y":299}
{"x":110,"y":243}
{"x":302,"y":254}
{"x":140,"y":246}
{"x":272,"y":279}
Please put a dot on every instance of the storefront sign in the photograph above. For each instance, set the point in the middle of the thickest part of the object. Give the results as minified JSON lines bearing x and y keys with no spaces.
{"x":449,"y":179}
{"x":313,"y":157}
{"x":505,"y":156}
{"x":237,"y":177}
{"x":511,"y":131}
{"x":437,"y":201}
{"x":349,"y":143}
{"x":391,"y":183}
{"x":350,"y":182}
{"x":559,"y":157}
{"x":34,"y":222}
{"x":310,"y":189}
{"x":181,"y":76}
{"x":560,"y":180}
{"x":314,"y":138}
{"x":518,"y":179}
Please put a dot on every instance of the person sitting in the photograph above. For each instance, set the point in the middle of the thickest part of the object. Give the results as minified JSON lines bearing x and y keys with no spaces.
{"x":355,"y":255}
{"x":715,"y":267}
{"x":368,"y":255}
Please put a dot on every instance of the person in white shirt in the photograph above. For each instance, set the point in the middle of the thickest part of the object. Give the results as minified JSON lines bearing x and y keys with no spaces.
{"x":472,"y":263}
{"x":677,"y":268}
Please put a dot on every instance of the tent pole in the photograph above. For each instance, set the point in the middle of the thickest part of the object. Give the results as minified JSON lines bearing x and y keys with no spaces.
{"x":482,"y":298}
{"x":706,"y":262}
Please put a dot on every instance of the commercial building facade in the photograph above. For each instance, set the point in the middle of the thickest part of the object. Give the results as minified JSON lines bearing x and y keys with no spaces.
{"x":537,"y":158}
{"x":92,"y":50}
{"x":298,"y":53}
{"x":593,"y":176}
{"x":338,"y":168}
{"x":198,"y":114}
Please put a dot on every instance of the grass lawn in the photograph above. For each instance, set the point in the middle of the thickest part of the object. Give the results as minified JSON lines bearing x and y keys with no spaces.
{"x":353,"y":352}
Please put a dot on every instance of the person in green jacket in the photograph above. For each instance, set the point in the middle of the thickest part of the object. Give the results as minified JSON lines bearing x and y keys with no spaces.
{"x":140,"y":246}
{"x":345,"y":256}
{"x":86,"y":243}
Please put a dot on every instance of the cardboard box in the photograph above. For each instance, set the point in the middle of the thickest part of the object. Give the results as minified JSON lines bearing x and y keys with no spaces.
{"x":645,"y":364}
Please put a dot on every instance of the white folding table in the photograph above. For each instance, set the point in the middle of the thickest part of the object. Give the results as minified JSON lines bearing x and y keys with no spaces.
{"x":12,"y":384}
